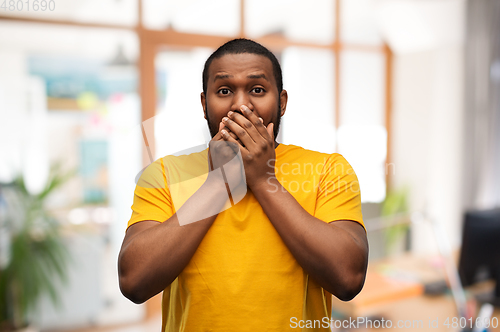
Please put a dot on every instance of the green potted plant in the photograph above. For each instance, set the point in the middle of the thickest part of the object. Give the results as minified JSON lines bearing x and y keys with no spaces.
{"x":34,"y":253}
{"x":395,"y":213}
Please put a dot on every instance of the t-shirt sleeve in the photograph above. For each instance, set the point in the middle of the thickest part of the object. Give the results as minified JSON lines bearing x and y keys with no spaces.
{"x":152,"y":199}
{"x":339,"y":196}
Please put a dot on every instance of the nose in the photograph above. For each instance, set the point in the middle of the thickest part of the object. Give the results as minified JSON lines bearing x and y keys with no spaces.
{"x":241,"y":98}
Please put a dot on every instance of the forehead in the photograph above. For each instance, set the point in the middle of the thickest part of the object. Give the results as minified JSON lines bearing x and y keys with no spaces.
{"x":241,"y":64}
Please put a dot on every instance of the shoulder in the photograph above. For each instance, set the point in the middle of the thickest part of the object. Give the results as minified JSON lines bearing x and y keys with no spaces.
{"x":187,"y":157}
{"x":152,"y":176}
{"x":181,"y":167}
{"x":178,"y":165}
{"x":297,"y":153}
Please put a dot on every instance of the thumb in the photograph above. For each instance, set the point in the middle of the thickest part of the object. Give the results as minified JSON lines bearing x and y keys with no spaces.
{"x":270,"y":130}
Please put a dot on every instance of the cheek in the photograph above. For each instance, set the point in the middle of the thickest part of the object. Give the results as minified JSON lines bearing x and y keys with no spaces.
{"x":267,"y":109}
{"x":220,"y":103}
{"x":216,"y":109}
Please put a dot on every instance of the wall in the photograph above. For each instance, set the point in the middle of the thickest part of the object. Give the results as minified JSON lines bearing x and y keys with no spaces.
{"x":428,"y":113}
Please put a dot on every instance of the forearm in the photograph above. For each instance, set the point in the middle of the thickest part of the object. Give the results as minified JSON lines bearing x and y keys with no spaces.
{"x":331,"y":255}
{"x":150,"y":260}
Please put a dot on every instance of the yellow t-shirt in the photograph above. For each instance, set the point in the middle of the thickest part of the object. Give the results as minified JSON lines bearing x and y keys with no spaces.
{"x":242,"y":277}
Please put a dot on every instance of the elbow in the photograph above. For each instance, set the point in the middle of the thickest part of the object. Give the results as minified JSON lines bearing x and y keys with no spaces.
{"x":350,"y":287}
{"x":130,"y":284}
{"x":349,"y":294}
{"x":131,"y":291}
{"x":352,"y":282}
{"x":135,"y":282}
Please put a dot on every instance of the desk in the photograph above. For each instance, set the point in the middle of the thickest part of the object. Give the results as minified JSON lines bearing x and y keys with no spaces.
{"x":434,"y":310}
{"x":406,"y":303}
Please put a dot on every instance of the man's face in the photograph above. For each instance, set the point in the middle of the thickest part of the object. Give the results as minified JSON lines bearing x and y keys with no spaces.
{"x":242,"y":79}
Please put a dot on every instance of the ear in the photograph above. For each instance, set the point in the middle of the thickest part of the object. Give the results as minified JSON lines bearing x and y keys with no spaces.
{"x":203,"y":100}
{"x":283,"y":101}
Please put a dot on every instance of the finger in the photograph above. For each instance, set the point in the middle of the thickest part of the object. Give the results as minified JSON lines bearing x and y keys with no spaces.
{"x":226,"y":137}
{"x":233,"y":135}
{"x":244,"y":123}
{"x":221,"y":126}
{"x":237,"y":129}
{"x":270,"y":130}
{"x":218,"y":136}
{"x":257,"y":122}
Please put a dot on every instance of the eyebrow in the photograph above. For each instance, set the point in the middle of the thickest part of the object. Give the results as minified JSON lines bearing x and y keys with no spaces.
{"x":256,"y":76}
{"x":221,"y":76}
{"x":251,"y":76}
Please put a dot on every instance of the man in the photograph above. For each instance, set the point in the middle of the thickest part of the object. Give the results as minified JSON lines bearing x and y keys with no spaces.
{"x":271,"y":260}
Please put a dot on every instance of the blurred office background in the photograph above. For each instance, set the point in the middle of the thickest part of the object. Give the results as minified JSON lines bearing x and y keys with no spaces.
{"x":408,"y":91}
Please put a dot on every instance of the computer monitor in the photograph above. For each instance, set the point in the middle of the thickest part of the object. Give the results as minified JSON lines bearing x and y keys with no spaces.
{"x":480,"y":254}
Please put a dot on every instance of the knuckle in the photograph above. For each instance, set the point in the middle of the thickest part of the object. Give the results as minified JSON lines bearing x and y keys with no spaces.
{"x":249,"y":157}
{"x":264,"y":146}
{"x":241,"y":133}
{"x":247,"y":124}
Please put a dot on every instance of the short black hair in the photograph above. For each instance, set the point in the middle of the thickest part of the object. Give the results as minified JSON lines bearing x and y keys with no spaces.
{"x":239,"y":46}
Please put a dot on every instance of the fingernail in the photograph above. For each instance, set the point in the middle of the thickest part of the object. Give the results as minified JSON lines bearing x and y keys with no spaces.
{"x":261,"y":120}
{"x":229,"y":113}
{"x":224,"y":119}
{"x":244,"y":108}
{"x":223,"y":132}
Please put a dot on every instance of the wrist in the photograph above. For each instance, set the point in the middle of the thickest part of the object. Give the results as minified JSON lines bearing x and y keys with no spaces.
{"x":215,"y":181}
{"x":267,"y":185}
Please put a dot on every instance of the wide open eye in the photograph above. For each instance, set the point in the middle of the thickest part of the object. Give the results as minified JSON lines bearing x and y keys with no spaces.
{"x":224,"y":91}
{"x":258,"y":90}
